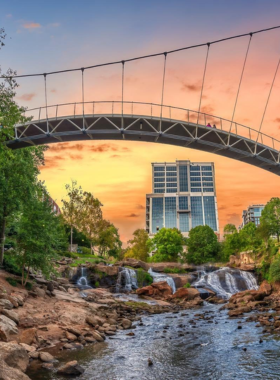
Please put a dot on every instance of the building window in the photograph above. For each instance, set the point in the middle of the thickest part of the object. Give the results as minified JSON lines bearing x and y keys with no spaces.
{"x":161,"y":179}
{"x":159,"y":174}
{"x":207,"y":184}
{"x":183,"y":203}
{"x":170,"y":212}
{"x":171,"y":174}
{"x":196,"y":211}
{"x":195,"y":174}
{"x":162,"y":184}
{"x":159,"y":168}
{"x":159,"y":191}
{"x":196,"y":189}
{"x":183,"y":178}
{"x":210,"y":212}
{"x":157,"y":214}
{"x":195,"y":179}
{"x":171,"y":179}
{"x":208,"y":190}
{"x":207,"y":179}
{"x":173,"y":190}
{"x":171,"y":168}
{"x":195,"y":168}
{"x":206,"y":168}
{"x":184,"y":222}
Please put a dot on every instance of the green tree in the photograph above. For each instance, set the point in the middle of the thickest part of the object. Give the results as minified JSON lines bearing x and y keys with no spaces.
{"x":40,"y":235}
{"x":168,"y":244}
{"x":202,"y":245}
{"x":249,"y":237}
{"x":230,"y":229}
{"x":270,"y":218}
{"x":108,"y":240}
{"x":72,"y":208}
{"x":137,"y":247}
{"x":90,"y":216}
{"x":232,"y":245}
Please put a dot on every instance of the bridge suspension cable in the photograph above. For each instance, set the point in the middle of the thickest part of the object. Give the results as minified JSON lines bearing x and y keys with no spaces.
{"x":162,"y":90}
{"x":265,"y":108}
{"x":143,"y":56}
{"x":123,"y":62}
{"x":242,"y":72}
{"x":46,"y":101}
{"x":83,"y":97}
{"x":203,"y":79}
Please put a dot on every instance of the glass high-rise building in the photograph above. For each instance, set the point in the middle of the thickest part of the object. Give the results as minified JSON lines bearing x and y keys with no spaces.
{"x":184,"y":196}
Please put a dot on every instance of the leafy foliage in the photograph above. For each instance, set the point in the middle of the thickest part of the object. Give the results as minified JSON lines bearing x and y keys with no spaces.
{"x":202,"y":245}
{"x":137,"y":247}
{"x":270,"y":218}
{"x":168,"y":244}
{"x":274,"y":270}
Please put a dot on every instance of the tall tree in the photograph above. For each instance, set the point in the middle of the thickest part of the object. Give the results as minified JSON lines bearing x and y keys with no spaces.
{"x":229,"y":229}
{"x":202,"y":245}
{"x":90,"y":216}
{"x":137,"y":247}
{"x":108,"y":240}
{"x":40,"y":234}
{"x":270,"y":218}
{"x":72,"y":208}
{"x":168,"y":244}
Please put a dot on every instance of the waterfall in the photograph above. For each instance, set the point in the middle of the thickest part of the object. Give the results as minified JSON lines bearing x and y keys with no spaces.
{"x":127,"y":280}
{"x":82,"y":281}
{"x":157,"y":277}
{"x":226,"y":281}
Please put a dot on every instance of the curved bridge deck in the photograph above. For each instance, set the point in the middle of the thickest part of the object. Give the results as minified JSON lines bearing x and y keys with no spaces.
{"x":228,"y":139}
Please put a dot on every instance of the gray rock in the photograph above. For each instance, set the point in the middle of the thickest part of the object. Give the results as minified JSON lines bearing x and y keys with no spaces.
{"x":7,"y":328}
{"x":6,"y":304}
{"x":11,"y":314}
{"x":71,"y":368}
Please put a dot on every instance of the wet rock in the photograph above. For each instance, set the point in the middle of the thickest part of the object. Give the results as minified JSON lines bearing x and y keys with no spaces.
{"x":46,"y":357}
{"x":34,"y":355}
{"x":48,"y":366}
{"x":71,"y":368}
{"x":9,"y":373}
{"x":28,"y":348}
{"x":150,"y":362}
{"x":95,"y":320}
{"x":75,"y":331}
{"x":97,"y":336}
{"x":126,"y":323}
{"x":7,"y":328}
{"x":157,"y":290}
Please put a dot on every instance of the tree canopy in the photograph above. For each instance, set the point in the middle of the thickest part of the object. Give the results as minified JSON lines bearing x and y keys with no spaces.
{"x":167,"y":243}
{"x":137,"y":247}
{"x":270,"y":217}
{"x":202,"y":245}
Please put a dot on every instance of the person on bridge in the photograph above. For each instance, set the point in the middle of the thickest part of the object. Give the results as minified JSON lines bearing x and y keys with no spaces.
{"x":209,"y":125}
{"x":214,"y":126}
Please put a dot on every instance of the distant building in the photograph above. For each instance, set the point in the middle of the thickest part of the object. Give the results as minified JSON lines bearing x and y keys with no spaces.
{"x":184,"y":196}
{"x":252,"y":214}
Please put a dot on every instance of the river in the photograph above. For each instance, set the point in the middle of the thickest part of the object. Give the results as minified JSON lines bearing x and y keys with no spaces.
{"x":181,"y":346}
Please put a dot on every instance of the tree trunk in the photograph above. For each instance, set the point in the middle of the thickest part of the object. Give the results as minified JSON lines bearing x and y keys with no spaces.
{"x":26,"y":276}
{"x":2,"y":238}
{"x":91,"y":248}
{"x":278,"y":238}
{"x":71,"y":239}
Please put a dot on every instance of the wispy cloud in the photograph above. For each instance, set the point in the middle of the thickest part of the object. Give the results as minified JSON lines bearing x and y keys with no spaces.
{"x":31,"y":25}
{"x":132,"y":215}
{"x":192,"y":87}
{"x":27,"y":97}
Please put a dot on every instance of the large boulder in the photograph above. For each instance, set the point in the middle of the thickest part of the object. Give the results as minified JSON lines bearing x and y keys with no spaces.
{"x":134,"y":263}
{"x":157,"y":290}
{"x":7,"y":328}
{"x":14,"y":355}
{"x":110,"y":270}
{"x":71,"y":369}
{"x":11,"y":314}
{"x":182,"y":279}
{"x":6,"y":304}
{"x":265,"y":288}
{"x":9,"y":373}
{"x":28,"y":336}
{"x":186,"y":293}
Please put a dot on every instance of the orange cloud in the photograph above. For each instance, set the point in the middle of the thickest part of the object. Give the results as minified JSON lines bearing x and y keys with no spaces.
{"x":31,"y":25}
{"x":27,"y":97}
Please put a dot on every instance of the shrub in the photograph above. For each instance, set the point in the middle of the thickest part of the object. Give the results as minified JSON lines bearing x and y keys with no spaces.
{"x":158,"y":258}
{"x":72,"y":255}
{"x":174,"y":270}
{"x":274,"y":270}
{"x":96,"y":284}
{"x":28,"y":286}
{"x":187,"y":285}
{"x":84,"y":251}
{"x":10,"y":264}
{"x":143,"y":278}
{"x":12,"y":281}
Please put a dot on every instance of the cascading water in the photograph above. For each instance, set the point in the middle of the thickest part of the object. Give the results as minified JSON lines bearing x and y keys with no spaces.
{"x":226,"y":281}
{"x":82,"y":282}
{"x":157,"y":277}
{"x":127,"y":280}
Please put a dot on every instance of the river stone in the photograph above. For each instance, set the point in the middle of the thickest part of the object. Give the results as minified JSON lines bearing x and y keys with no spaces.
{"x":6,"y":304}
{"x":48,"y":366}
{"x":74,"y":330}
{"x":95,"y":320}
{"x":34,"y":355}
{"x":97,"y":336}
{"x":14,"y":355}
{"x":28,"y":348}
{"x":70,"y":336}
{"x":11,"y":314}
{"x":40,"y":292}
{"x":126,"y":323}
{"x":71,"y":368}
{"x":9,"y":373}
{"x":18,"y":298}
{"x":7,"y":328}
{"x":46,"y":357}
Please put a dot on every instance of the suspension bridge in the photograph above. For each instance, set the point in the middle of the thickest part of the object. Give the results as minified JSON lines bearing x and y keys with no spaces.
{"x":151,"y":122}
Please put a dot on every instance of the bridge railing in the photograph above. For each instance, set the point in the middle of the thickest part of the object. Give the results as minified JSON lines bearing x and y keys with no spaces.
{"x":150,"y":110}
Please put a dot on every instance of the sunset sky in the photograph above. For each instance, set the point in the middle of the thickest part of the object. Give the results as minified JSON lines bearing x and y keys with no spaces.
{"x":55,"y":35}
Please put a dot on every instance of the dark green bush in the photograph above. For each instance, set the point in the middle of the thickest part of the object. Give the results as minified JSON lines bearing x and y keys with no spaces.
{"x":274,"y":270}
{"x":143,"y":278}
{"x":10,"y":264}
{"x":187,"y":285}
{"x":84,"y":251}
{"x":71,"y":255}
{"x":12,"y":281}
{"x":174,"y":270}
{"x":28,"y":286}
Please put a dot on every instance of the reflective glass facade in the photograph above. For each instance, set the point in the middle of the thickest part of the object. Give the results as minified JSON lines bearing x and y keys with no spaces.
{"x":183,"y":197}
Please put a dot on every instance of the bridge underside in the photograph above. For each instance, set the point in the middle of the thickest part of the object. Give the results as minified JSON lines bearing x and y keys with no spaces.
{"x":148,"y":129}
